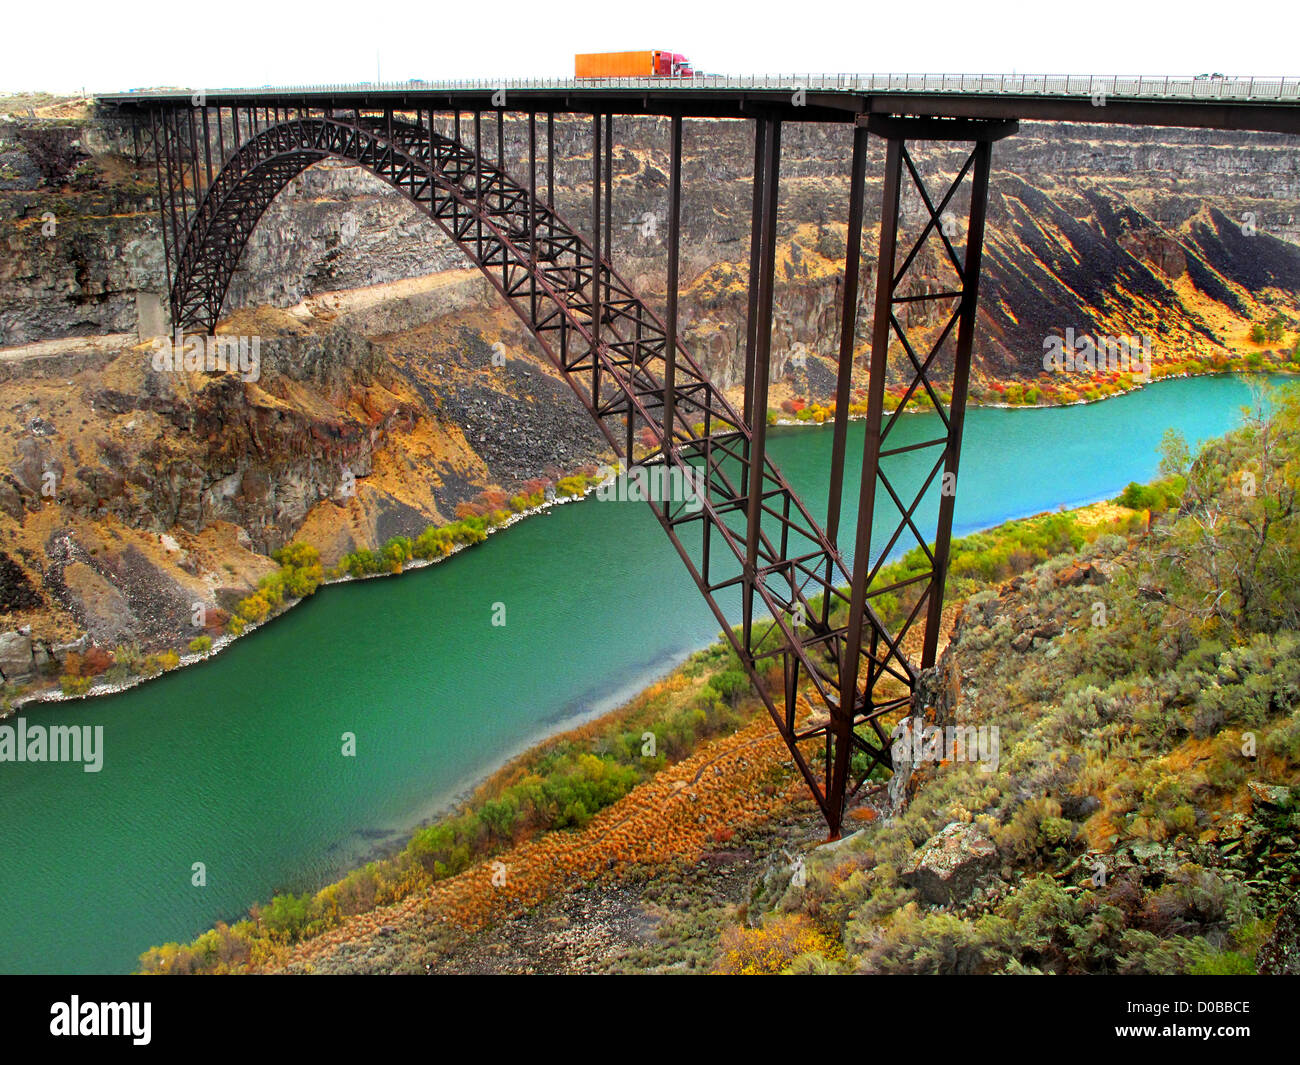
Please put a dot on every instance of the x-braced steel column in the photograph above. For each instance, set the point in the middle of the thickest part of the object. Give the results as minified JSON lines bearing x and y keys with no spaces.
{"x":844,"y":712}
{"x":608,"y":253}
{"x":862,"y":706}
{"x":960,"y":386}
{"x":870,"y":459}
{"x":168,"y":254}
{"x":532,"y":209}
{"x":755,"y":253}
{"x":597,"y":313}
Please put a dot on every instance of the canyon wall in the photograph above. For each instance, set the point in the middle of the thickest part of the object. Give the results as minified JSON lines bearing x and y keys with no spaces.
{"x":129,"y":494}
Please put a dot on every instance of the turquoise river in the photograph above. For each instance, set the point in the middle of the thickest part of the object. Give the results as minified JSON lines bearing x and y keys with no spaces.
{"x":237,"y":763}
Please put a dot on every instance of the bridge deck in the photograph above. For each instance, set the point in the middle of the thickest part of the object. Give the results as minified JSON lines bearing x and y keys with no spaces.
{"x":1254,"y":103}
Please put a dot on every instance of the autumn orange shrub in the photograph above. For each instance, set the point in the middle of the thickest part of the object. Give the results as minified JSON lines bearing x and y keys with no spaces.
{"x":95,"y":662}
{"x":91,"y":663}
{"x":768,"y":951}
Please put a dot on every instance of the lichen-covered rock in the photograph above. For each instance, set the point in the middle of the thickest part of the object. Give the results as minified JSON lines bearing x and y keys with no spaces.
{"x":1274,"y":795}
{"x":934,"y":702}
{"x":947,"y":867}
{"x":1280,"y":956}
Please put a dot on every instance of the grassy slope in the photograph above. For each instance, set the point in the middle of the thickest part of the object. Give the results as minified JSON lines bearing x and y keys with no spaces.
{"x":1144,"y":808}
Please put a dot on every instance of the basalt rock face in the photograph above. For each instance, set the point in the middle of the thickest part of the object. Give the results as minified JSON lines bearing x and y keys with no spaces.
{"x":71,"y":265}
{"x":1090,"y":226}
{"x":337,"y":227}
{"x":171,"y":449}
{"x":381,"y":403}
{"x":1183,"y":235}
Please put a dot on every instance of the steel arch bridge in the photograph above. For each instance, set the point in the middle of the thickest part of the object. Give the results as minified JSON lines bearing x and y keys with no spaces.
{"x":222,"y":158}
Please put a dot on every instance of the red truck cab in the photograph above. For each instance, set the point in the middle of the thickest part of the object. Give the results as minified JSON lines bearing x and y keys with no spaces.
{"x":672,"y":65}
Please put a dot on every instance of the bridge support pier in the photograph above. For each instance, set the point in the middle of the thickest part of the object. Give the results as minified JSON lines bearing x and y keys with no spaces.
{"x":923,"y":373}
{"x":674,"y":257}
{"x":595,"y":296}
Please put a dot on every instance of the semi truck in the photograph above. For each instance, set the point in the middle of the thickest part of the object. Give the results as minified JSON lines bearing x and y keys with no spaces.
{"x":652,"y":64}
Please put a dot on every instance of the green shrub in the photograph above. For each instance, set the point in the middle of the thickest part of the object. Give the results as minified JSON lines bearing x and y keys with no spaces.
{"x":1223,"y":963}
{"x":129,"y":656}
{"x":287,"y":916}
{"x":74,"y":685}
{"x":1158,"y":496}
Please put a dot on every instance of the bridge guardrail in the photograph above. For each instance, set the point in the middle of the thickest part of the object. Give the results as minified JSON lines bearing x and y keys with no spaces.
{"x":1170,"y":87}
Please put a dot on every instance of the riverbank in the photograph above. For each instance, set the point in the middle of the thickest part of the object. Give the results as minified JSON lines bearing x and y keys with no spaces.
{"x":566,"y":782}
{"x":15,"y":702}
{"x":685,"y":766}
{"x":1288,"y":368}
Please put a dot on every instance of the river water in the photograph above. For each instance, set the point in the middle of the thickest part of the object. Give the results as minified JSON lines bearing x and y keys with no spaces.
{"x":237,"y":763}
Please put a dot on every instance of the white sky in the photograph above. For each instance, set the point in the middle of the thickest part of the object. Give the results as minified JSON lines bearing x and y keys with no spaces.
{"x":140,"y":43}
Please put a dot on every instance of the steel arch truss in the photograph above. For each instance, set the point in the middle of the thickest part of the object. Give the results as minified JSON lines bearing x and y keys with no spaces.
{"x":809,"y":632}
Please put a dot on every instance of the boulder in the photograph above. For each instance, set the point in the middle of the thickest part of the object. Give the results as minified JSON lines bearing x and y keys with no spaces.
{"x":41,"y":655}
{"x":1274,"y":795}
{"x":1079,"y":573}
{"x":79,"y":646}
{"x":16,"y":660}
{"x":947,"y":867}
{"x":1049,"y":629}
{"x":1079,"y":807}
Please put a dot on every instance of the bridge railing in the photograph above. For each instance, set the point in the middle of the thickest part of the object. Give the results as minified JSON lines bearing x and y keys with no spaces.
{"x":1144,"y":86}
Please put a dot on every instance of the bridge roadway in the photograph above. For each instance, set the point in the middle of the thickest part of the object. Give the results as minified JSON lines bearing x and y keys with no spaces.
{"x":1265,"y":104}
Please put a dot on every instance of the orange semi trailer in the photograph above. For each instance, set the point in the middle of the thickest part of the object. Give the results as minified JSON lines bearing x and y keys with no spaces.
{"x":652,"y":64}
